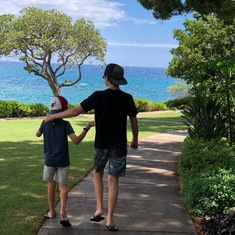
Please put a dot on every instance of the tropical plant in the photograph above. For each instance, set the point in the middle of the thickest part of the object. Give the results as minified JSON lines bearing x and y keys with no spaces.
{"x":206,"y":118}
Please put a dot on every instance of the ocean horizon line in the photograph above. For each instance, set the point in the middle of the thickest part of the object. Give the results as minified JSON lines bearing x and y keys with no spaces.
{"x":135,"y":66}
{"x":17,"y":84}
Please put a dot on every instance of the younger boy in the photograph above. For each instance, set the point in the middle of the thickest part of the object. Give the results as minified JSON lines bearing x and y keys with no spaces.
{"x":56,"y":154}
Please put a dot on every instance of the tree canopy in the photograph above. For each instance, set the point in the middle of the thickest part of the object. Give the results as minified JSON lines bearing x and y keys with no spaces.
{"x":205,"y":59}
{"x":164,"y":10}
{"x":205,"y":53}
{"x":40,"y":37}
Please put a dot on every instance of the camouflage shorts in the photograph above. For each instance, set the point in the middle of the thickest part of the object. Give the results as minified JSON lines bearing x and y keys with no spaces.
{"x":117,"y":160}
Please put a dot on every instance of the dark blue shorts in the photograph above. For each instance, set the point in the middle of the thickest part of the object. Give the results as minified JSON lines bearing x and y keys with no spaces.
{"x":117,"y":160}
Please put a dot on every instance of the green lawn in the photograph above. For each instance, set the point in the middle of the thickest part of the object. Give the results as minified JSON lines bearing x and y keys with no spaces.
{"x":22,"y":191}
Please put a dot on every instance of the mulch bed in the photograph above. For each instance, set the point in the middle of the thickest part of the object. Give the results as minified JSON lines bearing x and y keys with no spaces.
{"x":219,"y":224}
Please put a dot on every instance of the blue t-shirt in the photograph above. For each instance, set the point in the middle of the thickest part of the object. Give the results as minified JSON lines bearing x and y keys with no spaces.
{"x":112,"y":107}
{"x":55,"y":135}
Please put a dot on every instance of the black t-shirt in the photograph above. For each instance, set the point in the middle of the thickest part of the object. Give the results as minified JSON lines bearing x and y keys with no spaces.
{"x":111,"y":110}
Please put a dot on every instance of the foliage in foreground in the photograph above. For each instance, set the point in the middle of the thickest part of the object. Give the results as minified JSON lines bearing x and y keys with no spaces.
{"x":208,"y":176}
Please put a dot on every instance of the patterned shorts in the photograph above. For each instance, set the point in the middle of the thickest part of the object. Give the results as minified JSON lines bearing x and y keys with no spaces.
{"x":117,"y":160}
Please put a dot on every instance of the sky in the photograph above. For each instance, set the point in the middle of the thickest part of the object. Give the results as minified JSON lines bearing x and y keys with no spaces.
{"x":133,"y":35}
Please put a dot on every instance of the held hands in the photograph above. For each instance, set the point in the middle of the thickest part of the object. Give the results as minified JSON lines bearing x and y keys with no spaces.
{"x":89,"y":125}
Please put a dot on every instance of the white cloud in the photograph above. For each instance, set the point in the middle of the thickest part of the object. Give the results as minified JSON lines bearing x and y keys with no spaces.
{"x":141,"y":21}
{"x":134,"y":44}
{"x":102,"y":12}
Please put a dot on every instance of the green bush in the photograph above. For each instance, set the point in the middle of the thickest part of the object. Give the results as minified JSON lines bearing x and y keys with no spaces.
{"x":209,"y":193}
{"x":199,"y":155}
{"x":143,"y":105}
{"x":179,"y":103}
{"x":158,"y":106}
{"x":206,"y":118}
{"x":208,"y":176}
{"x":38,"y":110}
{"x":5,"y":109}
{"x":72,"y":106}
{"x":11,"y":109}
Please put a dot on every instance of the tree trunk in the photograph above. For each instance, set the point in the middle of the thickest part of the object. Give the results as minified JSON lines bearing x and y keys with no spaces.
{"x":54,"y":88}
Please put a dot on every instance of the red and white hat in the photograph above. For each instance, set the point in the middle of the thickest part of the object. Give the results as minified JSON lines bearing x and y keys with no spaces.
{"x":58,"y":103}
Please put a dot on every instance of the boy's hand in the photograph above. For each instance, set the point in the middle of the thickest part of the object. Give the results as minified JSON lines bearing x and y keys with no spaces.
{"x":49,"y":118}
{"x":134,"y":145}
{"x":89,"y":125}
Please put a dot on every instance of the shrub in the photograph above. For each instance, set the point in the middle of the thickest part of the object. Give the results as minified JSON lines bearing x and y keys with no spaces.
{"x":205,"y":118}
{"x":199,"y":155}
{"x":158,"y":106}
{"x":211,"y":192}
{"x":143,"y":105}
{"x":13,"y":109}
{"x":208,"y":182}
{"x":38,"y":110}
{"x":10,"y":109}
{"x":5,"y":109}
{"x":72,"y":106}
{"x":178,"y":103}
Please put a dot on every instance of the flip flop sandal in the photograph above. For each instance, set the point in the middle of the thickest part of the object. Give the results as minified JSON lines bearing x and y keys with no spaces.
{"x":46,"y":216}
{"x":65,"y":223}
{"x":112,"y":228}
{"x":96,"y":218}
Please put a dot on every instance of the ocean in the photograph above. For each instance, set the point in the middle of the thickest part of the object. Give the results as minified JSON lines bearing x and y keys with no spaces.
{"x":18,"y":85}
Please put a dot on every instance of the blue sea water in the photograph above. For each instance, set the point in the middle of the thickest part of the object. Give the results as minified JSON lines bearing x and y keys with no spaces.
{"x":18,"y":85}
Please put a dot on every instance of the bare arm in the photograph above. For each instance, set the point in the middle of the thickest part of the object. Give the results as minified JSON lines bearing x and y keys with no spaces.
{"x":135,"y":132}
{"x":79,"y":138}
{"x":68,"y":113}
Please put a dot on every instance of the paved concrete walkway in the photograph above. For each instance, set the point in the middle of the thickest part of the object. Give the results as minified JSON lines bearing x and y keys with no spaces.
{"x":149,"y":200}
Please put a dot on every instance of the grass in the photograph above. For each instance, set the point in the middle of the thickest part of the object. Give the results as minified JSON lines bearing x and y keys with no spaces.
{"x":22,"y":191}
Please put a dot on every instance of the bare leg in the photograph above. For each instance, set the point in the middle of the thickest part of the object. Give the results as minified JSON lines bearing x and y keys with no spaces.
{"x":63,"y":200}
{"x":98,"y":185}
{"x":113,"y":183}
{"x":51,"y":197}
